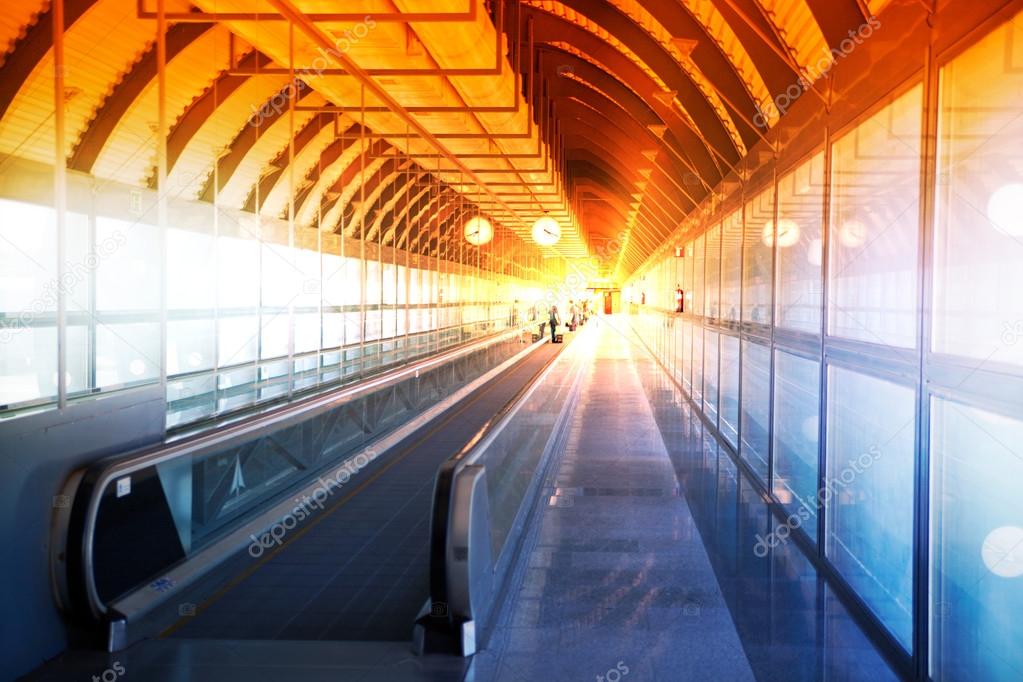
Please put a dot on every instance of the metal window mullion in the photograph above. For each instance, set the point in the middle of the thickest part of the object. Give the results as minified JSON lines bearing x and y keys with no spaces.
{"x":60,"y":197}
{"x":770,"y":340}
{"x":925,"y":295}
{"x":363,"y":270}
{"x":742,"y":304}
{"x":397,"y":287}
{"x":405,"y":354}
{"x":161,"y":166}
{"x":343,"y":341}
{"x":292,"y":255}
{"x":320,"y":371}
{"x":822,"y":369}
{"x":216,"y":278}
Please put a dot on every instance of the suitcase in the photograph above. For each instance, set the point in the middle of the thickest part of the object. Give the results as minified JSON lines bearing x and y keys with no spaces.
{"x":571,"y":327}
{"x":559,"y":338}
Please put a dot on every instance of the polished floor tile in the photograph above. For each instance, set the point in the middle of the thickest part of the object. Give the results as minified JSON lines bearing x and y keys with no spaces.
{"x":617,"y":581}
{"x":642,"y":565}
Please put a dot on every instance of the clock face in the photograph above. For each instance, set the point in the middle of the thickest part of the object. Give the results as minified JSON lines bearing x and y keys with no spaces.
{"x":546,"y":231}
{"x":478,"y":230}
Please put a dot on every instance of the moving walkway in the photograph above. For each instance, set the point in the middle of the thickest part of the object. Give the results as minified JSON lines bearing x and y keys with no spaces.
{"x":376,"y":512}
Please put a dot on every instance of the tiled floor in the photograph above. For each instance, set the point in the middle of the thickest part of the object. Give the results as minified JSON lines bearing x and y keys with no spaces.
{"x":617,"y":579}
{"x":642,"y":566}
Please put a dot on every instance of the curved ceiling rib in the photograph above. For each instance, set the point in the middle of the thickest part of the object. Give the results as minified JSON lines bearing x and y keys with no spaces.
{"x":32,"y":49}
{"x":272,"y":187}
{"x":141,"y":75}
{"x":622,"y":114}
{"x":549,"y":29}
{"x":707,"y":120}
{"x":385,"y":200}
{"x":392,"y":217}
{"x":266,"y":131}
{"x":334,"y":159}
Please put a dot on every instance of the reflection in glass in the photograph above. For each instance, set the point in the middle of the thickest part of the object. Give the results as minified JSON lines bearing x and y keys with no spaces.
{"x":28,"y":271}
{"x":730,"y":389}
{"x":756,"y":406}
{"x":875,"y":193}
{"x":801,"y":201}
{"x":710,"y":375}
{"x":978,"y":245}
{"x":698,"y":276}
{"x":713,"y":273}
{"x":731,"y":267}
{"x":756,"y":265}
{"x":697,"y":364}
{"x":868,"y":493}
{"x":796,"y":422}
{"x":976,"y":544}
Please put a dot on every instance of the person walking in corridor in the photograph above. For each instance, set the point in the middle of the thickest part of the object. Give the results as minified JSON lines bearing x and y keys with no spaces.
{"x":554,"y":321}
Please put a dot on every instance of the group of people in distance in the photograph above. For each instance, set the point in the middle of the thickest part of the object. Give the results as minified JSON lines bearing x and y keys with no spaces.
{"x":577,"y":314}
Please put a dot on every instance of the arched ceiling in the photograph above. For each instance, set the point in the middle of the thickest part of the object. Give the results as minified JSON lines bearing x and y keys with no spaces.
{"x":616,"y":117}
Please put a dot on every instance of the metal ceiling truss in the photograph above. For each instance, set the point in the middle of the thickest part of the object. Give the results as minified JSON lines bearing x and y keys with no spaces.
{"x":646,"y":143}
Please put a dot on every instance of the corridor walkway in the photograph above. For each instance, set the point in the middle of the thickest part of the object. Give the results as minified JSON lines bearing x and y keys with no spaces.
{"x":625,"y":579}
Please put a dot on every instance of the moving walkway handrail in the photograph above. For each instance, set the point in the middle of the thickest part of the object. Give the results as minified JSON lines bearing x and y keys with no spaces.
{"x":75,"y":526}
{"x":443,"y":625}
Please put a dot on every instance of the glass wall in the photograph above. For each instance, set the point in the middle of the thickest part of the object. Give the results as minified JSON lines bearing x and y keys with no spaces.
{"x":874,"y":226}
{"x":731,"y":269}
{"x":697,"y":393}
{"x":730,"y":389}
{"x":756,"y":406}
{"x":795,"y":436}
{"x":713,"y":273}
{"x":757,"y":250}
{"x":978,"y":243}
{"x":800,"y":246}
{"x":976,"y":544}
{"x":868,"y":492}
{"x":914,"y":417}
{"x":710,"y":374}
{"x":698,"y":277}
{"x":28,"y":271}
{"x":976,"y":456}
{"x":253,"y":312}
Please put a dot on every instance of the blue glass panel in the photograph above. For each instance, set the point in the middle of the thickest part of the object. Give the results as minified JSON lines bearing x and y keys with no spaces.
{"x":869,"y":493}
{"x":976,"y":544}
{"x":796,"y":423}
